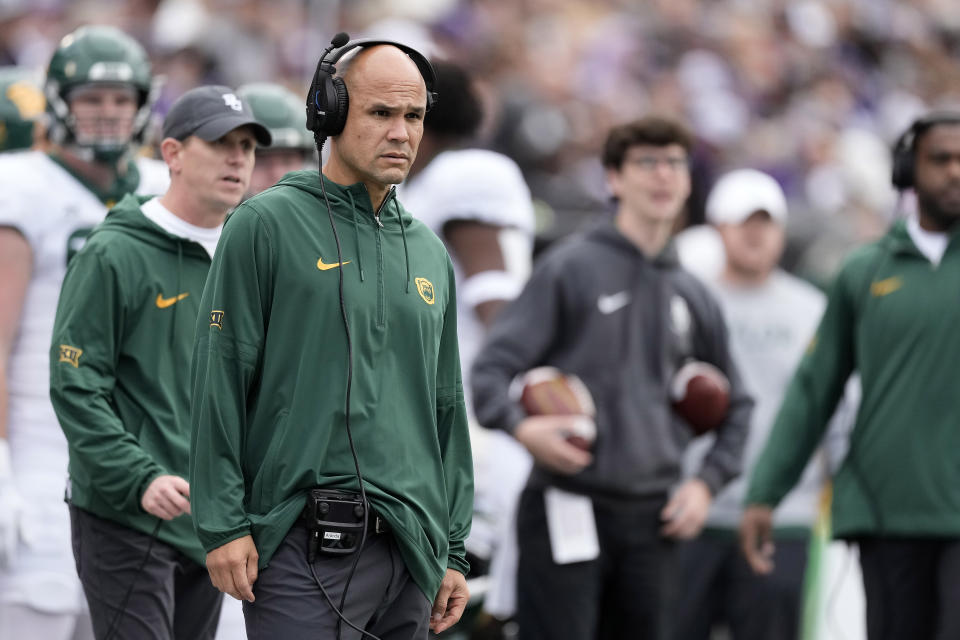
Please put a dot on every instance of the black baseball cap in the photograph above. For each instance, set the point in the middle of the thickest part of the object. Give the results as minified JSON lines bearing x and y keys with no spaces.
{"x":210,"y":112}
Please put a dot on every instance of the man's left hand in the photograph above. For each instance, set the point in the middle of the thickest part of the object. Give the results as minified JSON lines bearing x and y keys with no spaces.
{"x":686,"y":511}
{"x":451,"y":601}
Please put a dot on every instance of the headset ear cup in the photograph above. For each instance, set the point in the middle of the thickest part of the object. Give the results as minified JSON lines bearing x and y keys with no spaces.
{"x":902,"y":174}
{"x":905,"y":170}
{"x":338,"y":116}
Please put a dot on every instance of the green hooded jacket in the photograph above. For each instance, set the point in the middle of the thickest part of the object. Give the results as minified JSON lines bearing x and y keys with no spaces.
{"x":120,"y":363}
{"x":270,"y":375}
{"x":892,"y":316}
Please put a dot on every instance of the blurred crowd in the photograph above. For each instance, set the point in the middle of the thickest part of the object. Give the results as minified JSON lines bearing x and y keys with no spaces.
{"x":811,"y":91}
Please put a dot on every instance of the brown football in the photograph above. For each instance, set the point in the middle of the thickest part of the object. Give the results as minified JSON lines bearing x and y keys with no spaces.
{"x":549,"y":391}
{"x":701,"y":395}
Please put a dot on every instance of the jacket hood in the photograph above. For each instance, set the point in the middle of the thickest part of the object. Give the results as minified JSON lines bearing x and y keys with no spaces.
{"x":348,"y":198}
{"x":127,"y":218}
{"x":606,"y":233}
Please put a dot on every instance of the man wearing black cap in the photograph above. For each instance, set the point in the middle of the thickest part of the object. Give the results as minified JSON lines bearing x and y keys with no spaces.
{"x":121,"y":348}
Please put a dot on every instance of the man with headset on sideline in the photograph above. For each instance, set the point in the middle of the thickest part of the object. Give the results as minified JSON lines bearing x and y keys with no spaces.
{"x":122,"y":341}
{"x":892,"y":315}
{"x":331,"y":474}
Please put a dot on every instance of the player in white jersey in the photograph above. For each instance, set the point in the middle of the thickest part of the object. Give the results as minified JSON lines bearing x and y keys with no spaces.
{"x":477,"y":202}
{"x":98,"y":92}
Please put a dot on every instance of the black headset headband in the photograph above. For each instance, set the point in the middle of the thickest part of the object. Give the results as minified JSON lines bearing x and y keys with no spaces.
{"x":426,"y":69}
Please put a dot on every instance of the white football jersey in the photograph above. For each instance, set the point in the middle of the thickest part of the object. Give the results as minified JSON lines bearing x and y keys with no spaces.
{"x":482,"y":186}
{"x":55,"y":212}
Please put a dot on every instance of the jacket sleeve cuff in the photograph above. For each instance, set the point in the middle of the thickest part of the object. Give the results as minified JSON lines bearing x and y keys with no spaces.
{"x":515,"y":415}
{"x":713,"y":479}
{"x":215,"y":541}
{"x":152,"y":474}
{"x":456,"y":558}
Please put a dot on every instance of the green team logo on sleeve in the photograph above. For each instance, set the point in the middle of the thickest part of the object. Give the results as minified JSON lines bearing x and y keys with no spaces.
{"x":76,"y":241}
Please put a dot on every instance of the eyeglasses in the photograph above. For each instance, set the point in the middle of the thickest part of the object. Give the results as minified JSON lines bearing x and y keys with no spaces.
{"x":650,"y":163}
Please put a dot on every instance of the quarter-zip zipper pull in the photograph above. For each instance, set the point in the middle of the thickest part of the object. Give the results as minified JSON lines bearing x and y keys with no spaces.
{"x":376,"y":214}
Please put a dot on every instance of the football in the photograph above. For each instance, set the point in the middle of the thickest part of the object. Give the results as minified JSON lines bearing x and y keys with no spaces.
{"x":701,"y":395}
{"x":549,"y":391}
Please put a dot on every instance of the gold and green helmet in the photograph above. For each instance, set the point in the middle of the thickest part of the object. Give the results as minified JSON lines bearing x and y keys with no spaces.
{"x":21,"y":108}
{"x":93,"y":55}
{"x":282,"y":112}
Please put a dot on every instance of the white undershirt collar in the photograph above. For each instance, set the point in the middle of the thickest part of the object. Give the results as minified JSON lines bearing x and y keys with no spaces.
{"x":207,"y":237}
{"x":931,"y":244}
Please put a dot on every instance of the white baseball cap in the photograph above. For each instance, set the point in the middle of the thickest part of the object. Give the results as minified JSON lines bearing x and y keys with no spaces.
{"x":741,"y":193}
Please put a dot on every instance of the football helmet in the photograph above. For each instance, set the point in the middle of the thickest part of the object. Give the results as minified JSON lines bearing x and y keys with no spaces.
{"x":97,"y":55}
{"x":281,"y":111}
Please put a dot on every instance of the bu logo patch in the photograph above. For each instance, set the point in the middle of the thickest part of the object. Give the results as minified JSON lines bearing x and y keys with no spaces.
{"x":232,"y":101}
{"x":425,"y":287}
{"x":70,"y":355}
{"x":216,"y":319}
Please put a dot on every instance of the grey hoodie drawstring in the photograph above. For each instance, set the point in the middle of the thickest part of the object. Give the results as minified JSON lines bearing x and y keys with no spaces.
{"x":403,"y":234}
{"x":356,"y":236}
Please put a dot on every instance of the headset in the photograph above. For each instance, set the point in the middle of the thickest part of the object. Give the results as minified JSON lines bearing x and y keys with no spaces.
{"x":328,"y":100}
{"x":904,"y":151}
{"x":327,"y":105}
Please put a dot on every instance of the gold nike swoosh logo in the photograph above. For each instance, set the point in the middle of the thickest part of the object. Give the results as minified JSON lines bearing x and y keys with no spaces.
{"x":324,"y":266}
{"x":885,"y":287}
{"x":163,"y":303}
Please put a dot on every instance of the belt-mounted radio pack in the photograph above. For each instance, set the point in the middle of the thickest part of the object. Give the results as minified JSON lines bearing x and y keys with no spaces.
{"x":335,"y":520}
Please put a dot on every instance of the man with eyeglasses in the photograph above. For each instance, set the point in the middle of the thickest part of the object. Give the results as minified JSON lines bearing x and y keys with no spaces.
{"x":598,"y":529}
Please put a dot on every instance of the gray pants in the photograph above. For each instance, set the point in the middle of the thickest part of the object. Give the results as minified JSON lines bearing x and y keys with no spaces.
{"x":172,"y":596}
{"x":382,"y":598}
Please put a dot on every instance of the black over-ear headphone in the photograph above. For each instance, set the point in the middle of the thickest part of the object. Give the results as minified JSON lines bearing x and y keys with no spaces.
{"x":905,"y":147}
{"x":327,"y":102}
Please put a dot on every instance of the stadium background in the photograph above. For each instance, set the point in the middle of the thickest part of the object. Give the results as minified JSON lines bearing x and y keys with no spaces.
{"x":812,"y":91}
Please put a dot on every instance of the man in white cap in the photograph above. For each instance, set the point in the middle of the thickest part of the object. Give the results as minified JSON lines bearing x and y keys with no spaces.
{"x":771,"y":317}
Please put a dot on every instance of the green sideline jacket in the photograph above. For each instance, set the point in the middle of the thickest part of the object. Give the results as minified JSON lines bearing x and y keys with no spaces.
{"x":120,"y":363}
{"x":895,"y":318}
{"x":270,"y":375}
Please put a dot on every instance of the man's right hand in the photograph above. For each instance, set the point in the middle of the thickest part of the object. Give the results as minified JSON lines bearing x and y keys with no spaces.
{"x":166,"y":497}
{"x":233,"y":568}
{"x":545,"y":437}
{"x":756,"y":537}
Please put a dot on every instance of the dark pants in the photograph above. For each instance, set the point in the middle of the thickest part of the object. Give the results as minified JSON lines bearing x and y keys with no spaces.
{"x":628,"y":592}
{"x":912,"y":588}
{"x":382,"y":597}
{"x":171,"y":599}
{"x":718,"y":587}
